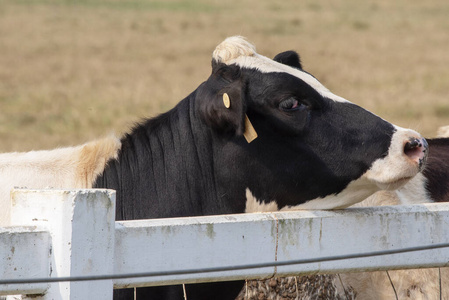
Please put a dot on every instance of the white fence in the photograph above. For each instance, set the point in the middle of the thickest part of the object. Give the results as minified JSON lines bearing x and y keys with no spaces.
{"x":59,"y":233}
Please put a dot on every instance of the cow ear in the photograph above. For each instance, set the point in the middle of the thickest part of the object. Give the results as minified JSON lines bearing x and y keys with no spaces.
{"x":221,"y":102}
{"x":289,"y":58}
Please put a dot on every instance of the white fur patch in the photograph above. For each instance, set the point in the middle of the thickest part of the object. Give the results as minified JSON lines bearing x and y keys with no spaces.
{"x":379,"y":198}
{"x":414,"y":192}
{"x":422,"y":284}
{"x":254,"y":205}
{"x":233,"y":47}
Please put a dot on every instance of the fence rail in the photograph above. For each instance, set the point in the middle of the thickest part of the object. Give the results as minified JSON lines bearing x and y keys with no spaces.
{"x":73,"y":233}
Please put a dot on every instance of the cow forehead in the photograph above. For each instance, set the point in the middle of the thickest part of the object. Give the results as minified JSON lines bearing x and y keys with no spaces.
{"x":238,"y":51}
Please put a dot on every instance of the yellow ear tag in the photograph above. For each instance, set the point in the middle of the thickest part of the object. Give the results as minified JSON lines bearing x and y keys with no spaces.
{"x":226,"y":100}
{"x":250,"y":133}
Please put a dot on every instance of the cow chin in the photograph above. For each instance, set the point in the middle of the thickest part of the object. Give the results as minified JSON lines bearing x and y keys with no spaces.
{"x":356,"y":191}
{"x":393,"y":185}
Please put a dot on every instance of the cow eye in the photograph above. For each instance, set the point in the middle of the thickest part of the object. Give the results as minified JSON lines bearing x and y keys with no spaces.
{"x":291,"y":104}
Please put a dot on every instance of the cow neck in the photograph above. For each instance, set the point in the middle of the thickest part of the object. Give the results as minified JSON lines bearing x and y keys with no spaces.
{"x":165,"y":168}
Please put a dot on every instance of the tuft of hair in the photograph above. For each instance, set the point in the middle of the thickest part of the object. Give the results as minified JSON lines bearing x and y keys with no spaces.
{"x":232,"y":48}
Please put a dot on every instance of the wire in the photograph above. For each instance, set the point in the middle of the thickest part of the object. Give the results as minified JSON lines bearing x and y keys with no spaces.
{"x":225,"y":268}
{"x":392,"y":285}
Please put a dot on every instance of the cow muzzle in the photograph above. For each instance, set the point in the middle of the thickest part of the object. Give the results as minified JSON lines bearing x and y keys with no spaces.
{"x":406,"y":157}
{"x":417,"y":150}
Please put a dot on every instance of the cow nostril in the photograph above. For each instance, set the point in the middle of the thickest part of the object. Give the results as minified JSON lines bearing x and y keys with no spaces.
{"x":410,"y":145}
{"x":416,"y":150}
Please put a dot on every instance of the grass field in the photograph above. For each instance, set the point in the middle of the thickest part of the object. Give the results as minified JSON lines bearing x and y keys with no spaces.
{"x":71,"y":71}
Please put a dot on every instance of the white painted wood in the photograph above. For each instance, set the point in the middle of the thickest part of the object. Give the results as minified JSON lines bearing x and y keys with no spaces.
{"x":205,"y":242}
{"x":190,"y":243}
{"x":81,"y":224}
{"x":24,"y":253}
{"x":362,"y":230}
{"x":86,"y":241}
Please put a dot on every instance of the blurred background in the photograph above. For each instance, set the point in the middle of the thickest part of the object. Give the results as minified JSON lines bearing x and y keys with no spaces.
{"x":72,"y":71}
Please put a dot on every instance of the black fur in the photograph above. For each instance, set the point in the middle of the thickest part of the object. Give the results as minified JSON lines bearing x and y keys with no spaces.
{"x":193,"y":160}
{"x":436,"y":171}
{"x":290,"y":58}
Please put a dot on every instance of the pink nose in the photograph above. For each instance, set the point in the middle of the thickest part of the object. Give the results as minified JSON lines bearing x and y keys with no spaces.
{"x":417,"y":150}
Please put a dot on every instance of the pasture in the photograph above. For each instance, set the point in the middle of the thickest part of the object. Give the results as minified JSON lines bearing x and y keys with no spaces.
{"x":71,"y":71}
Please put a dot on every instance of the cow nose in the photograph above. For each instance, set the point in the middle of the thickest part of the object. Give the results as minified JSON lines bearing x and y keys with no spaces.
{"x":417,"y":149}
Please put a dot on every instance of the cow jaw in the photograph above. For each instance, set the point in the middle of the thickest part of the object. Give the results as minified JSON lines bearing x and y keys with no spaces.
{"x":356,"y":191}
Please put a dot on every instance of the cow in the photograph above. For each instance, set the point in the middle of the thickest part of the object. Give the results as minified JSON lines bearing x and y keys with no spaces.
{"x":259,"y":134}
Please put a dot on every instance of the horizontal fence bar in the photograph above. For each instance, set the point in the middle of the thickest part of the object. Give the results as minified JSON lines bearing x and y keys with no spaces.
{"x":161,"y":245}
{"x":165,"y":245}
{"x":24,"y":254}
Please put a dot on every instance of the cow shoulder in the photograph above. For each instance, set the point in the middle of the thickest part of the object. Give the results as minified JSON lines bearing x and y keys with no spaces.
{"x":93,"y":158}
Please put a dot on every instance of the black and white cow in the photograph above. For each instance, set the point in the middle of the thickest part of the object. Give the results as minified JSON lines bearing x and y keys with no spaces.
{"x":313,"y":149}
{"x":258,"y":134}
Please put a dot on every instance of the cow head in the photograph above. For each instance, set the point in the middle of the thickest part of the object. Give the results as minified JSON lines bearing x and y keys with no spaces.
{"x":314,"y":149}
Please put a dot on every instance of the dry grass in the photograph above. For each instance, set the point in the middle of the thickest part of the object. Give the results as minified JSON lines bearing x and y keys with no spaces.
{"x":71,"y":71}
